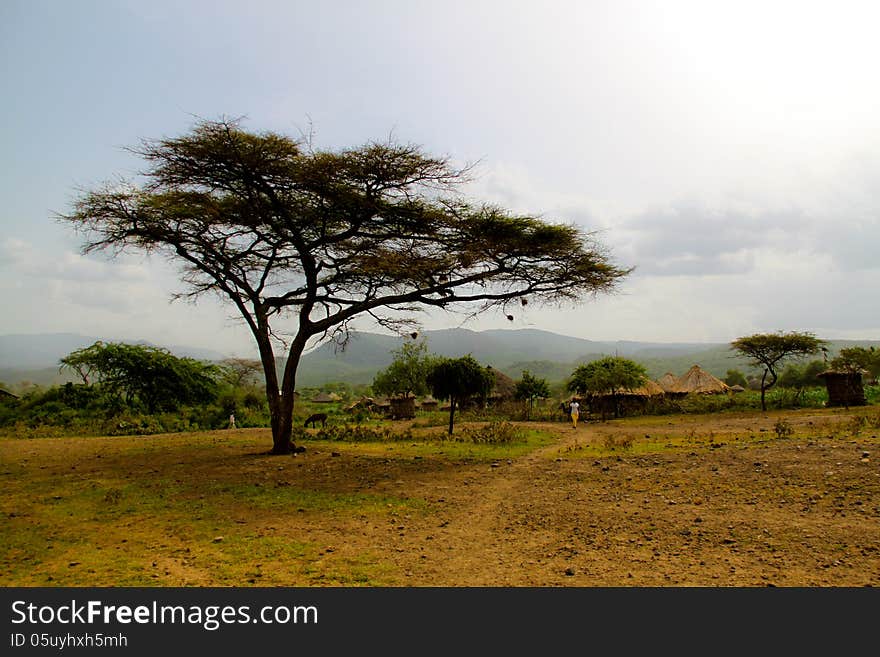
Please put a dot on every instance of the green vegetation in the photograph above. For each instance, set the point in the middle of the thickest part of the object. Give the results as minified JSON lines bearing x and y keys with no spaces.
{"x":859,"y":358}
{"x":610,"y":375}
{"x":458,"y":380}
{"x":530,"y":388}
{"x":408,"y":372}
{"x":275,"y":226}
{"x":770,"y":350}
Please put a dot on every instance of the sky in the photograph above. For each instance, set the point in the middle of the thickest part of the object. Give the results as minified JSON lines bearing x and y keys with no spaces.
{"x":728,"y":151}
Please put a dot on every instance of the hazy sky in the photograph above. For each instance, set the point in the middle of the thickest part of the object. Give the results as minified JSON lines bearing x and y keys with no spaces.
{"x":730,"y":151}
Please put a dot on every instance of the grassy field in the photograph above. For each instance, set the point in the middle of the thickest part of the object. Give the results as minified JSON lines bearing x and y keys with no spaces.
{"x":207,"y":508}
{"x":213,"y":508}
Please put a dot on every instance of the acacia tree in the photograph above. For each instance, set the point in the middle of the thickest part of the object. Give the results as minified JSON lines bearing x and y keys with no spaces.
{"x":610,"y":375}
{"x":154,"y":376}
{"x":408,"y":372}
{"x":771,"y":350}
{"x":285,"y":231}
{"x":529,"y":388}
{"x":458,"y":379}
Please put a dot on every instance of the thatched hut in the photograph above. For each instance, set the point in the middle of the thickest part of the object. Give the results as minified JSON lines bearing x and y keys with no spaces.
{"x":324,"y":398}
{"x":429,"y":404}
{"x":626,"y":401}
{"x":668,"y":382}
{"x":503,"y":389}
{"x":403,"y":408}
{"x":698,"y":381}
{"x":736,"y":388}
{"x":844,"y":387}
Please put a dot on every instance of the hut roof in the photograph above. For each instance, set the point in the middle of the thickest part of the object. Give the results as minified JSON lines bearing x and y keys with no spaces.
{"x":504,"y":386}
{"x":842,"y":373}
{"x":737,"y":388}
{"x":648,"y":389}
{"x":699,"y":381}
{"x":669,"y":382}
{"x":6,"y":393}
{"x":324,"y":398}
{"x":429,"y":400}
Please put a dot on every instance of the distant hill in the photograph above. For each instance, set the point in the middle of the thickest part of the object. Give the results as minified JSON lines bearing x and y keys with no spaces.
{"x":545,"y":354}
{"x":34,"y":358}
{"x":22,"y":352}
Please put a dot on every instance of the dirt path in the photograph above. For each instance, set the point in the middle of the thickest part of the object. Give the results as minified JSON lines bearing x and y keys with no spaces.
{"x":723,"y":500}
{"x":782,"y":512}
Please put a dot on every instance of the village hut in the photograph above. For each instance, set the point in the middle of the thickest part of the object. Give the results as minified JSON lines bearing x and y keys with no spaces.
{"x":429,"y":404}
{"x":382,"y":403}
{"x":698,"y":381}
{"x":364,"y":403}
{"x":403,"y":408}
{"x":503,"y":389}
{"x":736,"y":388}
{"x":627,"y":401}
{"x":844,"y":387}
{"x":324,"y":398}
{"x":649,"y":389}
{"x":669,"y":383}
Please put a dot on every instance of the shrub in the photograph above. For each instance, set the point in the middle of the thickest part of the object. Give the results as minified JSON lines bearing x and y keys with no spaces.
{"x":783,"y":429}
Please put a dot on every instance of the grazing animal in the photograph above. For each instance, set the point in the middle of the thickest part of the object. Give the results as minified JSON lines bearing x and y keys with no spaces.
{"x":314,"y":419}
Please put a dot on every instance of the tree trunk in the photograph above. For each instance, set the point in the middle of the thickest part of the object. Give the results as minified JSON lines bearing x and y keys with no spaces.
{"x":763,"y":390}
{"x":451,"y":413}
{"x":282,"y":421}
{"x":280,"y":398}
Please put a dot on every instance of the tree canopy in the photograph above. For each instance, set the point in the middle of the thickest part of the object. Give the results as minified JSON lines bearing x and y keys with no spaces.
{"x":153,"y":376}
{"x":458,"y":379}
{"x":609,"y":375}
{"x":408,"y":372}
{"x":530,"y":388}
{"x":287,"y":232}
{"x":770,"y":350}
{"x":854,"y":359}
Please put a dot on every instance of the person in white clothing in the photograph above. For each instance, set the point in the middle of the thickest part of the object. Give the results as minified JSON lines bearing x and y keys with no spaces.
{"x":574,"y":412}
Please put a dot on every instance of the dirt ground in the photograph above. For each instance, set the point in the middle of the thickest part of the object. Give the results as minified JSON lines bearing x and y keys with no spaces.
{"x":712,"y":501}
{"x":729,"y":512}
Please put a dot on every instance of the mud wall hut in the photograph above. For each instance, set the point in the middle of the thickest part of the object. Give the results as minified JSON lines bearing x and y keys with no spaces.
{"x":844,"y":388}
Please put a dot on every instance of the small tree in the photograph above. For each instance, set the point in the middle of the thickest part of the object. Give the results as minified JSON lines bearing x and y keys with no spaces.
{"x":771,"y":350}
{"x":241,"y":372}
{"x":458,"y":379}
{"x":736,"y":378}
{"x":853,"y":359}
{"x":150,"y":375}
{"x":408,"y":372}
{"x":610,"y":375}
{"x":530,"y":388}
{"x":802,"y":376}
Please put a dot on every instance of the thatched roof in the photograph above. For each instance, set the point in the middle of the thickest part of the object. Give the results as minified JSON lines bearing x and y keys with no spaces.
{"x":842,"y":373}
{"x":648,"y":389}
{"x":669,"y":382}
{"x":699,"y":381}
{"x":429,"y":401}
{"x":6,"y":393}
{"x":737,"y":388}
{"x":504,"y":386}
{"x":324,"y":398}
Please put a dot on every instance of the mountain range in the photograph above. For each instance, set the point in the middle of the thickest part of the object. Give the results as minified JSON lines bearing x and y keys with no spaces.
{"x":545,"y":354}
